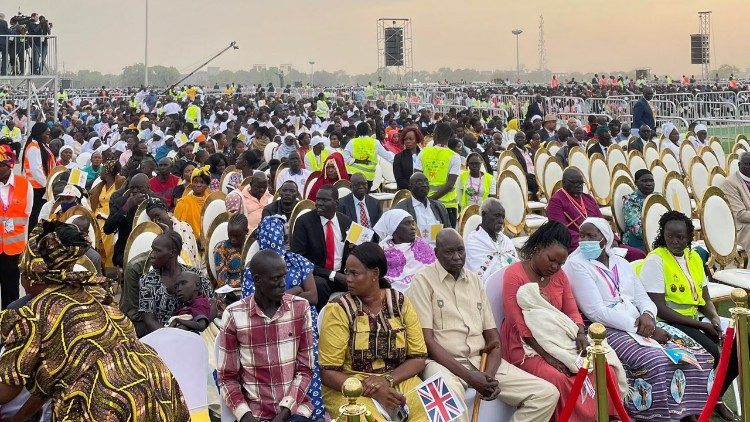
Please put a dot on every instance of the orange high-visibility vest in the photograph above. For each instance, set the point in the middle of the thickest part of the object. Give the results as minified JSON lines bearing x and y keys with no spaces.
{"x":14,"y":242}
{"x":27,"y":168}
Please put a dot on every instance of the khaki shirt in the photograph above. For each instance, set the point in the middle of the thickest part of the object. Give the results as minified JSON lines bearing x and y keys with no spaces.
{"x":458,"y":311}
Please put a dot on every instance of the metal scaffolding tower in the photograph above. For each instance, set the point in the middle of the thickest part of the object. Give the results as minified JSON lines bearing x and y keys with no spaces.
{"x":542,"y":47}
{"x":395,"y":48}
{"x":704,"y":28}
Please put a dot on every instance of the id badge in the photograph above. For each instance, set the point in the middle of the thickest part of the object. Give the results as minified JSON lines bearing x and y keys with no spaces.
{"x":8,"y":225}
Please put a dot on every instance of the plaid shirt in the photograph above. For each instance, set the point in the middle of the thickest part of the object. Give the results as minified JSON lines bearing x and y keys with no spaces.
{"x":266,"y":363}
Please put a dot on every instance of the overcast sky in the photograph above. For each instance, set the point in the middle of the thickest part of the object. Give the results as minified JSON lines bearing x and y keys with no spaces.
{"x":581,"y":35}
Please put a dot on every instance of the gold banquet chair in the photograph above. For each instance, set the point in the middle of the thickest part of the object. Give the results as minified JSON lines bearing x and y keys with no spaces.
{"x":636,"y":162}
{"x":654,"y":207}
{"x":95,"y":232}
{"x":302,"y":207}
{"x":621,"y":186}
{"x":678,"y":197}
{"x":213,"y":206}
{"x":469,"y":220}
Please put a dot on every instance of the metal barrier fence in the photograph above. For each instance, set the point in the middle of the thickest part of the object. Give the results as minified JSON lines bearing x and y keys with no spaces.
{"x":694,"y":110}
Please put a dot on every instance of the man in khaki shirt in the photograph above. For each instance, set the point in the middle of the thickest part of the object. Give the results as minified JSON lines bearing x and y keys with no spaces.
{"x":458,"y":327}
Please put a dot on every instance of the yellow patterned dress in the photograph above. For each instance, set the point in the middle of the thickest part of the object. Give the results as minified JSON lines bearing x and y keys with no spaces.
{"x":67,"y":346}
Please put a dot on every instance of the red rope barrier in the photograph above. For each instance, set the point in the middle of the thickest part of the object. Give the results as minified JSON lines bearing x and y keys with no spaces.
{"x":614,"y":394}
{"x":721,"y":372}
{"x":575,"y":392}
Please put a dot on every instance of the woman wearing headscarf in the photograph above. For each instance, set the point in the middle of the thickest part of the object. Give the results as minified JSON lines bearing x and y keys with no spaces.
{"x":66,"y":157}
{"x":514,"y":125}
{"x":632,"y":208}
{"x":404,"y":251}
{"x":189,"y":207}
{"x":671,"y":140}
{"x":608,"y":291}
{"x":100,"y":195}
{"x":70,"y":346}
{"x":334,"y":169}
{"x":299,"y":282}
{"x":38,"y":160}
{"x":156,"y":209}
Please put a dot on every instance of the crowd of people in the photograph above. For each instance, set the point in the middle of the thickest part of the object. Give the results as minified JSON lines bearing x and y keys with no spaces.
{"x":311,"y":307}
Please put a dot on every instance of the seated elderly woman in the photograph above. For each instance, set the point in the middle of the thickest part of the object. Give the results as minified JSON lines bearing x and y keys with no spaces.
{"x":405,"y":252}
{"x":488,"y":249}
{"x":675,"y":279}
{"x":608,"y":291}
{"x":334,"y":169}
{"x":69,"y":345}
{"x":299,"y":281}
{"x":372,"y":333}
{"x":571,"y":205}
{"x":536,"y":289}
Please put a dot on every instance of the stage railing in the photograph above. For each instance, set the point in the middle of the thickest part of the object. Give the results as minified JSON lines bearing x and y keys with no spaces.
{"x":28,"y":55}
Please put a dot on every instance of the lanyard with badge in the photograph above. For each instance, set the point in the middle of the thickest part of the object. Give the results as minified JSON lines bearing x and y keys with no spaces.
{"x":613,"y":281}
{"x":8,"y":222}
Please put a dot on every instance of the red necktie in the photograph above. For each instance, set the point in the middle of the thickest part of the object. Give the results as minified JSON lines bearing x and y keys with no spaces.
{"x":363,"y":215}
{"x":330,"y":245}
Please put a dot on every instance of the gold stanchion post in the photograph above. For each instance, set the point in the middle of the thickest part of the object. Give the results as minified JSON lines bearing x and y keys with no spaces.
{"x":740,"y":315}
{"x":352,"y":411}
{"x":598,"y":333}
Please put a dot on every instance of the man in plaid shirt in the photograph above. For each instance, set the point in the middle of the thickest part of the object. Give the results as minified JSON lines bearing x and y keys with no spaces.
{"x":265,"y":362}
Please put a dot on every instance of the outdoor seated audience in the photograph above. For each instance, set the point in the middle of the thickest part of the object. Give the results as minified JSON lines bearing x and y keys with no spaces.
{"x":458,"y":325}
{"x":608,"y":291}
{"x":425,"y":211}
{"x":294,"y":172}
{"x":571,"y":205}
{"x":674,"y":278}
{"x":251,"y":199}
{"x":474,"y":185}
{"x":405,"y":251}
{"x":372,"y":332}
{"x":359,"y":206}
{"x":188,"y":208}
{"x":632,"y":208}
{"x":122,"y":207}
{"x":488,"y":249}
{"x":334,"y":169}
{"x":403,"y":162}
{"x":156,"y":210}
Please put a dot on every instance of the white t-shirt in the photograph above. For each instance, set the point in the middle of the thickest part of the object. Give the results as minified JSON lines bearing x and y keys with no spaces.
{"x":652,"y":273}
{"x":454,"y":168}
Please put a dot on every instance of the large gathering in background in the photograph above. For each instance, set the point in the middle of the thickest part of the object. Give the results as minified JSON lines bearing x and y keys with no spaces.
{"x":238,"y":252}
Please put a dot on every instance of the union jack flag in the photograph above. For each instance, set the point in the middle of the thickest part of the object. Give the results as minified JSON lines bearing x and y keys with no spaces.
{"x":438,"y":401}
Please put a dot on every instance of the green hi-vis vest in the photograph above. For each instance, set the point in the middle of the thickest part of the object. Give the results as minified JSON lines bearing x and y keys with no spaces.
{"x":321,"y":109}
{"x":363,"y":149}
{"x":133,"y":103}
{"x":192,"y":115}
{"x":314,"y":166}
{"x":679,"y":295}
{"x":463,"y":178}
{"x":436,"y":162}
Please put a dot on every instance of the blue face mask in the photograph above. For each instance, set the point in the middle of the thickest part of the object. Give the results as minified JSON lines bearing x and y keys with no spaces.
{"x":67,"y":205}
{"x":591,"y":249}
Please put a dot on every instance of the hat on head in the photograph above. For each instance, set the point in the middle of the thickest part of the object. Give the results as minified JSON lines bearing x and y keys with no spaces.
{"x":550,"y":118}
{"x":701,"y":127}
{"x":7,"y":156}
{"x":316,"y":140}
{"x":640,"y":173}
{"x":71,"y":190}
{"x":535,"y":118}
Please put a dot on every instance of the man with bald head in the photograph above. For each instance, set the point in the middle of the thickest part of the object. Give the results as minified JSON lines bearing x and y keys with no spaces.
{"x":122,"y":207}
{"x":459,"y":326}
{"x":294,"y":172}
{"x":362,"y":208}
{"x":488,"y":249}
{"x":426,"y":212}
{"x":251,"y":199}
{"x":736,"y":188}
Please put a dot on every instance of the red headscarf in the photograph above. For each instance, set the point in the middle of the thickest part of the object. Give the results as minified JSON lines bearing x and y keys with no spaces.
{"x":334,"y":159}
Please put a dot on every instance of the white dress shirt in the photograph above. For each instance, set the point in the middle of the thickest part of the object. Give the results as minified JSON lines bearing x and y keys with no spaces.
{"x":593,"y":291}
{"x":300,"y":179}
{"x":358,"y":205}
{"x":425,"y":217}
{"x":5,"y":189}
{"x":338,"y":253}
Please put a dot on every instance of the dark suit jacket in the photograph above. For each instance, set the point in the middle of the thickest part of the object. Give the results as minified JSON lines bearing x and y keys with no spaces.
{"x":346,"y":207}
{"x":642,"y":114}
{"x":403,"y":168}
{"x":534,"y":110}
{"x":593,"y":149}
{"x":119,"y":222}
{"x":519,"y":156}
{"x":4,"y":30}
{"x":309,"y":240}
{"x":545,"y":137}
{"x":438,"y":209}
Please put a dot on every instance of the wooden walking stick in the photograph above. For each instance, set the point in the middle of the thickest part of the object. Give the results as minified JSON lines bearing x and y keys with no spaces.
{"x":477,"y":399}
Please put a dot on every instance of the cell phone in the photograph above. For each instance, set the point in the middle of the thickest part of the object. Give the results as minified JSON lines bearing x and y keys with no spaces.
{"x":400,"y":413}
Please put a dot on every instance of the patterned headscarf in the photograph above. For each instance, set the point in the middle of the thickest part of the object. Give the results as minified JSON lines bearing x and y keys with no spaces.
{"x":51,"y":253}
{"x":109,"y":166}
{"x":7,"y":156}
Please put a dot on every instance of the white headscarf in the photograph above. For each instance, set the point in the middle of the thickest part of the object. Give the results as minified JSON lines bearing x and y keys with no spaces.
{"x":606,"y":230}
{"x":388,"y":223}
{"x":667,"y":129}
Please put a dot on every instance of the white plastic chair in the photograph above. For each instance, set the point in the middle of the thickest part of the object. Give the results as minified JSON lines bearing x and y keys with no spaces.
{"x":186,"y":355}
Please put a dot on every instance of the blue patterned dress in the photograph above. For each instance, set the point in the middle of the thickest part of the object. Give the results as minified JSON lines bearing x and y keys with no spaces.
{"x":271,"y":236}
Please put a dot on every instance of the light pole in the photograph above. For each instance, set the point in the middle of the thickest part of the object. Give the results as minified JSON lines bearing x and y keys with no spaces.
{"x":145,"y":52}
{"x":312,"y":78}
{"x":517,"y":32}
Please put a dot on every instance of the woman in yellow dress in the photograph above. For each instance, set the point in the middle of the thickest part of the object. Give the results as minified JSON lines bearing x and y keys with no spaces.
{"x":111,"y":182}
{"x":189,"y":207}
{"x":372,"y":333}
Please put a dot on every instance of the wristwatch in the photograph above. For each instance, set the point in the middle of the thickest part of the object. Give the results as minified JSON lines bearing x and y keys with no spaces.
{"x":389,"y":378}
